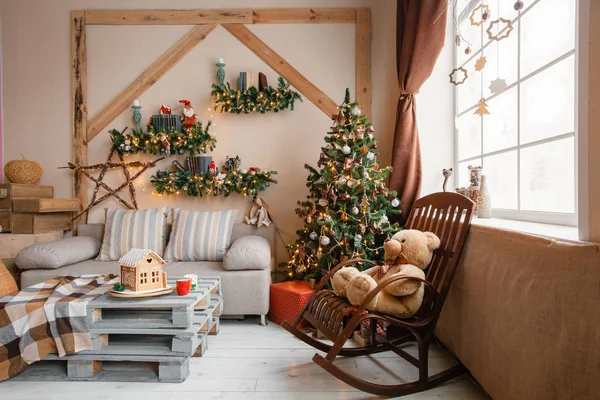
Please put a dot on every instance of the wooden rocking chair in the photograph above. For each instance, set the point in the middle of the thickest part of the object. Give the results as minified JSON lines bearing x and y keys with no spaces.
{"x":448,"y":215}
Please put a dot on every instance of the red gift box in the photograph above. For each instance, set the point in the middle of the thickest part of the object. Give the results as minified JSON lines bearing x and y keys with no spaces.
{"x":287,"y":299}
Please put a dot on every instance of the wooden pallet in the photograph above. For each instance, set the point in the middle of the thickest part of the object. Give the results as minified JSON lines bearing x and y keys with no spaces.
{"x":142,"y":340}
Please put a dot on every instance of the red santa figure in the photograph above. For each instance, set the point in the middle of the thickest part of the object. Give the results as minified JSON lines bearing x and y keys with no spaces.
{"x":188,"y":116}
{"x":164,"y":110}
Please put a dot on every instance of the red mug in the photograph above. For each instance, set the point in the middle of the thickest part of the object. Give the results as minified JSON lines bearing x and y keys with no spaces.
{"x":183,"y":286}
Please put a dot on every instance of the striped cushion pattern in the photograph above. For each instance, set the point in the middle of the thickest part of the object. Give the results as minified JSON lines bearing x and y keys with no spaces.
{"x":128,"y":229}
{"x":200,"y":236}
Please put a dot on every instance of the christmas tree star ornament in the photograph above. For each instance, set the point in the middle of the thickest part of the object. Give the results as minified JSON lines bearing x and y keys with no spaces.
{"x":480,"y":63}
{"x":497,"y":86}
{"x":501,"y":33}
{"x":456,"y":78}
{"x":479,"y":14}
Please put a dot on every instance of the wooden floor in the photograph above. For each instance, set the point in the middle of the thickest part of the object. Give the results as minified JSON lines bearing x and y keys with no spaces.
{"x":247,"y":361}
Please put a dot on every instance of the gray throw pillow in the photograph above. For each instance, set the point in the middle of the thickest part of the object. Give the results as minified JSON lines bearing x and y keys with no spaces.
{"x":59,"y":253}
{"x":248,"y":252}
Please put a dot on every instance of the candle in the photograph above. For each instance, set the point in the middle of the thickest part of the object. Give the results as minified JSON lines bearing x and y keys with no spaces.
{"x":136,"y":103}
{"x":221,"y":61}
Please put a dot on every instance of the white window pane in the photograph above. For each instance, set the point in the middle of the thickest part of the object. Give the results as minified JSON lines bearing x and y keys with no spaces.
{"x":500,"y":125}
{"x":502,"y":8}
{"x":548,"y":31}
{"x":469,"y":135}
{"x":471,"y":37}
{"x":548,"y":177}
{"x":502,"y":57}
{"x":463,"y":172}
{"x":469,"y":93}
{"x":548,"y":102}
{"x":501,"y":171}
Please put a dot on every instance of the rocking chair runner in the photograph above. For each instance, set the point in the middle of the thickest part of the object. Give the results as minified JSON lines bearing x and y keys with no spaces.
{"x":448,"y":215}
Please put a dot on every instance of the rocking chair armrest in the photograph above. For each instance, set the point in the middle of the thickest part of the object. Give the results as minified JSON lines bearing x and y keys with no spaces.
{"x":326,"y":279}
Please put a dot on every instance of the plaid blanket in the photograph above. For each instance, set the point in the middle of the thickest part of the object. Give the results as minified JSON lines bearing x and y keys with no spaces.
{"x":46,"y":318}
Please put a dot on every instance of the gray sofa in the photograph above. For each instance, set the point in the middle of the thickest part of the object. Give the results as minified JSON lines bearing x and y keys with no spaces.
{"x":245,"y":292}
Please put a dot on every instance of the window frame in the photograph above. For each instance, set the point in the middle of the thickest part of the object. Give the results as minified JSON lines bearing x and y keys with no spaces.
{"x":548,"y":217}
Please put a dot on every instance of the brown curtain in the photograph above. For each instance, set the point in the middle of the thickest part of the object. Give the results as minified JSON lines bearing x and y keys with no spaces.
{"x":420,"y":34}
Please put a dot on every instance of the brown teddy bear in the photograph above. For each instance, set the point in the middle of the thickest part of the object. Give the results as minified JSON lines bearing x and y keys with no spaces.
{"x":407,"y":253}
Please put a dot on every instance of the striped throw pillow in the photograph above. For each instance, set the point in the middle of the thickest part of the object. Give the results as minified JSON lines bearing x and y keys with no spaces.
{"x":128,"y":229}
{"x":199,"y":236}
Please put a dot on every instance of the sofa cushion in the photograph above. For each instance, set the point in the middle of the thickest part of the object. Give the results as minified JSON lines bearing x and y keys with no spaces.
{"x":59,"y":253}
{"x":128,"y":229}
{"x":199,"y":236}
{"x":248,"y":252}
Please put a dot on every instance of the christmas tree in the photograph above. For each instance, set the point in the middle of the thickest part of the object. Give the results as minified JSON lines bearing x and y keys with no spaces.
{"x":347,"y":211}
{"x":482,"y":108}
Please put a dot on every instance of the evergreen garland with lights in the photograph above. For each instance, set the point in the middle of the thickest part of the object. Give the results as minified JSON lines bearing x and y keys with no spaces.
{"x":347,"y":211}
{"x":251,"y":100}
{"x":248,"y":183}
{"x":192,"y":141}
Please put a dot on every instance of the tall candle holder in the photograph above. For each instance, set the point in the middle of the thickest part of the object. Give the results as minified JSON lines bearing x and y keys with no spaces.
{"x":137,"y":115}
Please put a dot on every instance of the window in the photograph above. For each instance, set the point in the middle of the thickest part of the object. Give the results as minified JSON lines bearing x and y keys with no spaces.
{"x":526,"y":144}
{"x":154,"y":278}
{"x":144,"y":278}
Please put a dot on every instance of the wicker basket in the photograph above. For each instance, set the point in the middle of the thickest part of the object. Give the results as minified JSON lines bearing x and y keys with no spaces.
{"x":23,"y":171}
{"x":7,"y":282}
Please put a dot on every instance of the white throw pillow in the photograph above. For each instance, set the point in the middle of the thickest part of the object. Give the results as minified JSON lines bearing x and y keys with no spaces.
{"x":248,"y":252}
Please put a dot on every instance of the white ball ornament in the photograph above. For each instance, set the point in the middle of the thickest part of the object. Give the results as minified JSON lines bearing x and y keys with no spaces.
{"x":325,"y":240}
{"x":384,"y":219}
{"x":350,"y":183}
{"x":342,"y":181}
{"x":313,"y":235}
{"x":370,"y":156}
{"x":357,"y":237}
{"x":355,"y":111}
{"x":346,"y":149}
{"x":328,"y":218}
{"x":323,"y":202}
{"x":365,"y":175}
{"x":354,"y":210}
{"x":395,"y":202}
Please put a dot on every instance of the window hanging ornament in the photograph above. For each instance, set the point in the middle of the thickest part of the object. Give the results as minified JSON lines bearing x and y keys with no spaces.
{"x":498,"y":86}
{"x":454,"y":76}
{"x":481,"y":108}
{"x":480,"y":63}
{"x":479,"y":14}
{"x":502,"y":33}
{"x":518,"y":5}
{"x":83,"y":169}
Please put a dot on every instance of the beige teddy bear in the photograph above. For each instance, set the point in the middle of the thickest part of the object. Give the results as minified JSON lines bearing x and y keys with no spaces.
{"x":407,"y":253}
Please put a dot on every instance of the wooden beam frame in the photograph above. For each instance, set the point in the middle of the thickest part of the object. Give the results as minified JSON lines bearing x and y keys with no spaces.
{"x":232,"y":20}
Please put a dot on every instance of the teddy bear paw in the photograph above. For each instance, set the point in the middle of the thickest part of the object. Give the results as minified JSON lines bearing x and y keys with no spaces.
{"x":359,"y":288}
{"x":340,"y":280}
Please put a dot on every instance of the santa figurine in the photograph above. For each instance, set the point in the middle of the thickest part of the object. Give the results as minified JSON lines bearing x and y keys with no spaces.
{"x":188,"y":117}
{"x":165,"y":110}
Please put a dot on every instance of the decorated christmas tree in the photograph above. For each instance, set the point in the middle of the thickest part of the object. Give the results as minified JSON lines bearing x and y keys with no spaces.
{"x":347,"y":211}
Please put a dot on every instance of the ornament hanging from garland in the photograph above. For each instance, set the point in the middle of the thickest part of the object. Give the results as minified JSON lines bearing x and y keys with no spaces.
{"x":480,"y":63}
{"x":501,"y":33}
{"x":518,"y":5}
{"x":458,"y":76}
{"x":498,"y":86}
{"x":84,"y":170}
{"x":479,"y":15}
{"x":481,"y":108}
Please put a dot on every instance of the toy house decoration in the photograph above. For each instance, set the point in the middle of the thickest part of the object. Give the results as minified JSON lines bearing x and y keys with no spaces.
{"x":141,"y":270}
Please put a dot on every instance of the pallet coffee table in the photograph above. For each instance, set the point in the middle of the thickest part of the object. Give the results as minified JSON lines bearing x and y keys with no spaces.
{"x":149,"y":339}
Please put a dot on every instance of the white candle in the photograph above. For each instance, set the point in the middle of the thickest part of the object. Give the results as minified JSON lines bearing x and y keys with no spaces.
{"x":136,"y":103}
{"x":221,"y":61}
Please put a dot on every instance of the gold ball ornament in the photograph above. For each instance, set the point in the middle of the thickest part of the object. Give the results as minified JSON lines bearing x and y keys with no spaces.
{"x":23,"y":171}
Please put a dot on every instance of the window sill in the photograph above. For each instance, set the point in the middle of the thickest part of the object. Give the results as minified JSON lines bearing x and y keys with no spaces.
{"x":555,"y":231}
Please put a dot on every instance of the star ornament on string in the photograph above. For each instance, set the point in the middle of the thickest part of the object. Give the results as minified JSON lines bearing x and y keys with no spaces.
{"x":498,"y":86}
{"x":129,"y":179}
{"x":480,"y":63}
{"x":503,"y":32}
{"x":455,"y":76}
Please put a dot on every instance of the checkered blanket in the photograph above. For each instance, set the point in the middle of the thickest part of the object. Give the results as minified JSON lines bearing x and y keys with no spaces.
{"x":49,"y":317}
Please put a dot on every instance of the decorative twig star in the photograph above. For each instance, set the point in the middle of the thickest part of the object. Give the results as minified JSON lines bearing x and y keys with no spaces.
{"x":498,"y":85}
{"x":83,"y":169}
{"x":480,"y":63}
{"x":508,"y":27}
{"x":454,"y":76}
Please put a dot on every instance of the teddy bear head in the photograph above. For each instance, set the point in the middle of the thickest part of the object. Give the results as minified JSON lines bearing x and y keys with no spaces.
{"x":415,"y":246}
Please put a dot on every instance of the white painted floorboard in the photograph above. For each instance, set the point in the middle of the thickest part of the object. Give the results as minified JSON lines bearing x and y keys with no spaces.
{"x":247,"y":361}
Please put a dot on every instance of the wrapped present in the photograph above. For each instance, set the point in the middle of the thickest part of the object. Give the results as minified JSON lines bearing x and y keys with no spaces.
{"x":287,"y":299}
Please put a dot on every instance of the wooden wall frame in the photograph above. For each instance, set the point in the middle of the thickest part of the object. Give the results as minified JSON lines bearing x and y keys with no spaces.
{"x":233,"y":20}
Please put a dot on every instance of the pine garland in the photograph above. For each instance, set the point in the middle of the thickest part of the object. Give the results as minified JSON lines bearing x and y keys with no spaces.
{"x":191,"y":141}
{"x":248,"y":183}
{"x":251,"y":100}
